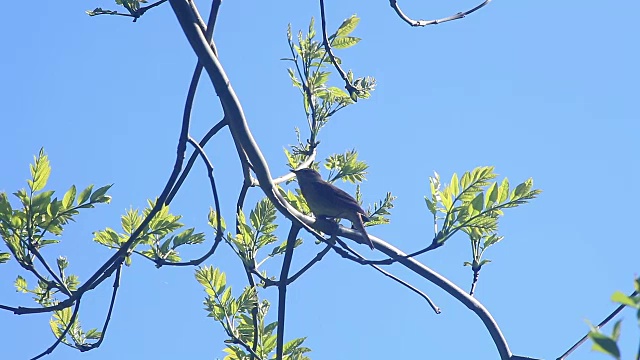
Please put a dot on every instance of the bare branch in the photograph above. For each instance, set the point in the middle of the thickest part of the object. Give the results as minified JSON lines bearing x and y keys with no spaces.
{"x":116,"y":286}
{"x":408,"y":20}
{"x":317,"y":258}
{"x":435,"y":308}
{"x":282,"y":288}
{"x":603,"y":323}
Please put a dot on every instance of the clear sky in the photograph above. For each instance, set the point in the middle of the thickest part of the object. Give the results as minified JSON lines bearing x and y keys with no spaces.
{"x":543,"y":89}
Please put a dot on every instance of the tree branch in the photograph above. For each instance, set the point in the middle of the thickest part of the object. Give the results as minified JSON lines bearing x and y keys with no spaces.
{"x":73,"y":319}
{"x":408,"y":20}
{"x":602,"y":323}
{"x":433,"y":306}
{"x":242,"y":137}
{"x":282,"y":288}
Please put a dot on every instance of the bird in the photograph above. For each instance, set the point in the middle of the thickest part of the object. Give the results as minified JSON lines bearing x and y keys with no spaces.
{"x":326,"y":200}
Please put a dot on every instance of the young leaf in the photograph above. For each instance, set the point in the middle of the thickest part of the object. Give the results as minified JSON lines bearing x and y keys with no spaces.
{"x":98,"y":195}
{"x":84,"y":195}
{"x":40,"y":172}
{"x":347,"y":26}
{"x":69,"y":197}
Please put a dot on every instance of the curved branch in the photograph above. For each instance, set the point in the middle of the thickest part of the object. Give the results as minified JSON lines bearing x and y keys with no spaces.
{"x":195,"y":79}
{"x":317,"y":258}
{"x":470,"y":302}
{"x":243,"y":137}
{"x":346,"y":247}
{"x":420,"y":23}
{"x":116,"y":286}
{"x":192,"y":159}
{"x":327,"y":47}
{"x":73,"y":319}
{"x":216,"y":201}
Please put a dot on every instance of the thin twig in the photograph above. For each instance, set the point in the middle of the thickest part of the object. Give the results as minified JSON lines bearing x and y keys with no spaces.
{"x":144,"y":9}
{"x":603,"y":323}
{"x":308,"y":266}
{"x":327,"y":47}
{"x":195,"y":79}
{"x":282,"y":288}
{"x":435,"y":308}
{"x":476,"y":275}
{"x":192,"y":159}
{"x":116,"y":286}
{"x":408,"y":20}
{"x":254,"y":354}
{"x":62,"y":286}
{"x":199,"y":150}
{"x":73,"y":319}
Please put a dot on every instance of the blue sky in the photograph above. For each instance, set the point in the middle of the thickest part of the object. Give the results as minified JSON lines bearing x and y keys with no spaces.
{"x":541,"y":89}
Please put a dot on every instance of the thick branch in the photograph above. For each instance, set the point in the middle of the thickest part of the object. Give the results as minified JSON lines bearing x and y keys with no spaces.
{"x":241,"y":133}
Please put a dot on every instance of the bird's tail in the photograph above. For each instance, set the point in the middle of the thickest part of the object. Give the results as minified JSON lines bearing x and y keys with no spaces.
{"x":359,"y":225}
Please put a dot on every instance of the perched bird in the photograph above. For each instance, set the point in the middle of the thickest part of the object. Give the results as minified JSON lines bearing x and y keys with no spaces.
{"x":326,"y":200}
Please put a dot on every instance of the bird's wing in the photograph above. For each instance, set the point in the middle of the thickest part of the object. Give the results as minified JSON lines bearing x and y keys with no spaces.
{"x":342,"y":195}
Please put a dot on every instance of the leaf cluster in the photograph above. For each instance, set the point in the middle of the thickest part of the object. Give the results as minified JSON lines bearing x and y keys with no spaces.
{"x":39,"y":222}
{"x":474,"y":205}
{"x":311,"y":77}
{"x":62,"y":319}
{"x":159,"y":238}
{"x":254,"y":234}
{"x":27,"y":228}
{"x":235,"y":316}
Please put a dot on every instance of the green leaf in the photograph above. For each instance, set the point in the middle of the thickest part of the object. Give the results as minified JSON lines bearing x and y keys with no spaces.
{"x":188,"y":237}
{"x":21,"y":284}
{"x":84,"y":195}
{"x":93,"y":334}
{"x":4,"y":257}
{"x":40,"y":202}
{"x":478,"y":202}
{"x":347,"y":26}
{"x":492,"y":195}
{"x":40,"y":172}
{"x":312,"y":31}
{"x":213,"y":220}
{"x":522,"y":189}
{"x":344,"y":42}
{"x":225,"y":297}
{"x":99,"y":194}
{"x":62,"y":263}
{"x":604,"y":344}
{"x":454,"y":187}
{"x":5,"y":207}
{"x":623,"y":299}
{"x":503,"y":191}
{"x":69,"y":197}
{"x":292,"y":345}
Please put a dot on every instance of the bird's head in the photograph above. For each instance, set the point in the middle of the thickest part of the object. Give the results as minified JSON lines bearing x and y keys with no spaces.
{"x":307,"y":174}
